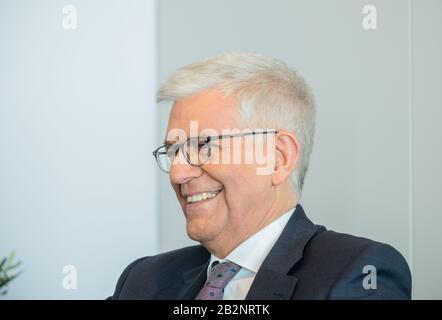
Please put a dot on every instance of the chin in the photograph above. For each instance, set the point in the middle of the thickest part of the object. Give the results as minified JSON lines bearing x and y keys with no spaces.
{"x":198,"y":233}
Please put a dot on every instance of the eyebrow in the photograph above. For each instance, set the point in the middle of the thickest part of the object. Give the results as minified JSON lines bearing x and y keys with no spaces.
{"x":168,"y":142}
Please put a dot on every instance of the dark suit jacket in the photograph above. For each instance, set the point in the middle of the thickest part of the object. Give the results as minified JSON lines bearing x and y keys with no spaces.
{"x":306,"y":262}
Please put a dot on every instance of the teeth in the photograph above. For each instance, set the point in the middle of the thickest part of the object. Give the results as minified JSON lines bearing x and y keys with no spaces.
{"x":201,"y":196}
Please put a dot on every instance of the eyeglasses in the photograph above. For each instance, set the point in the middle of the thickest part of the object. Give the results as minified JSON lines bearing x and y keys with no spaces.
{"x":196,"y":150}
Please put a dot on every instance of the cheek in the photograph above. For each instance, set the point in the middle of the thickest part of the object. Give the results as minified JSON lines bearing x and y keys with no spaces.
{"x":246,"y":188}
{"x":242,"y":187}
{"x":176,"y":189}
{"x":181,"y":200}
{"x":237,"y":185}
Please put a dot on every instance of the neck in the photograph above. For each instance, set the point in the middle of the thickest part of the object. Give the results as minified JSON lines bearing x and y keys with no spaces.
{"x":222,"y":246}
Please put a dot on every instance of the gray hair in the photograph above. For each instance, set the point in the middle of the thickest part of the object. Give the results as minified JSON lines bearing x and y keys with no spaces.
{"x":269,"y":93}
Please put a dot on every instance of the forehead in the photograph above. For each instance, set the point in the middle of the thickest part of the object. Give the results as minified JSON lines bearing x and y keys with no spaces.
{"x":210,"y":109}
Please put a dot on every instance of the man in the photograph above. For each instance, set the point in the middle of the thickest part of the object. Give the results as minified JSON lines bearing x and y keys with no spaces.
{"x":237,"y":148}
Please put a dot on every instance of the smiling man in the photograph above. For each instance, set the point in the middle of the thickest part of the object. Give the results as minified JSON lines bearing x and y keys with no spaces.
{"x":237,"y":149}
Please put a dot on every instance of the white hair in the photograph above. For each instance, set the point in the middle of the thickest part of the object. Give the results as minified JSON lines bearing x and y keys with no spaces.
{"x":269,"y":93}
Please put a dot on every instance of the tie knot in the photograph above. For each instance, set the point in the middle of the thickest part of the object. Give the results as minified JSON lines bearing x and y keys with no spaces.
{"x":221,"y":274}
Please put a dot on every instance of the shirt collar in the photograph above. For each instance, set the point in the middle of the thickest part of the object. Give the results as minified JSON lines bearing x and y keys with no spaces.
{"x":250,"y":254}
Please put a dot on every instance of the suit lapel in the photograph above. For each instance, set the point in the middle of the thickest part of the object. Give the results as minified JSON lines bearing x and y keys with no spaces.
{"x":273,"y":280}
{"x":272,"y":285}
{"x":193,"y":281}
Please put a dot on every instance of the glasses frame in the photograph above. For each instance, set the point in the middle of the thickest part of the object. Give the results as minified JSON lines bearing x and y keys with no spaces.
{"x":205,"y":140}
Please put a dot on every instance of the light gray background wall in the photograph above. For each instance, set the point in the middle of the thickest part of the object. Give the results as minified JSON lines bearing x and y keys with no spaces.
{"x":77,"y":126}
{"x":374,"y":170}
{"x":78,"y":122}
{"x":427,"y":148}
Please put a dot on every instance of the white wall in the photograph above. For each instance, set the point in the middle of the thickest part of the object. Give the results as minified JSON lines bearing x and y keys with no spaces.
{"x":373,"y":170}
{"x":78,"y":122}
{"x":427,"y":148}
{"x":77,"y":126}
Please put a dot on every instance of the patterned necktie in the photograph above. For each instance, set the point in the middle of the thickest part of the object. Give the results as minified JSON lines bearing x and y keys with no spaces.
{"x":219,"y":276}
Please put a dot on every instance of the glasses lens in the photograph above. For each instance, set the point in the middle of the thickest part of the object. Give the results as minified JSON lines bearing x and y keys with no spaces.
{"x":197,"y":151}
{"x":163,"y":159}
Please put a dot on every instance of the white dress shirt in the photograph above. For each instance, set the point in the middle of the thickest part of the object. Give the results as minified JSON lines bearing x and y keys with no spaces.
{"x":250,"y":254}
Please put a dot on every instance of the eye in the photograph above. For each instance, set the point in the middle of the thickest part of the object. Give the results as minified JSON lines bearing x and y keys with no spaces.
{"x":173,"y":149}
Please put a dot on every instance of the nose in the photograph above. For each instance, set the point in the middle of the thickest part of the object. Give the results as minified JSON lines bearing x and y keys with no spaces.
{"x":181,"y":171}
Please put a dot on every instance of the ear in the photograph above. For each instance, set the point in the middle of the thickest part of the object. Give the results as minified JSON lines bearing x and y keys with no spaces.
{"x":287,"y":151}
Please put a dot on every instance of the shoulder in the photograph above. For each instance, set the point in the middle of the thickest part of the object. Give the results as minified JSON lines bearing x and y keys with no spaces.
{"x":183,"y":256}
{"x":342,"y":248}
{"x":335,"y":243}
{"x":163,"y":268}
{"x":349,"y":259}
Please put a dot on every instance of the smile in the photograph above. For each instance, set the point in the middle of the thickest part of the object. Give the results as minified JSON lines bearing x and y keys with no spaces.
{"x":202,"y":196}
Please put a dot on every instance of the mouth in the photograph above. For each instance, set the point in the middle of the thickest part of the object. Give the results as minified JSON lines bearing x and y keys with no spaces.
{"x":202,"y":197}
